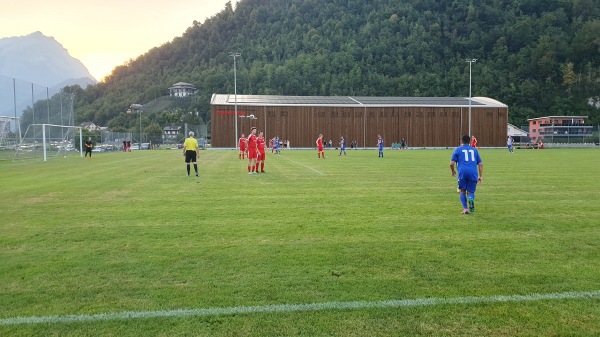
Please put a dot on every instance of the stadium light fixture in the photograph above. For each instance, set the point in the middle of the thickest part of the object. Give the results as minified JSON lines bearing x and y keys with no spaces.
{"x":470,"y":61}
{"x":137,"y":108}
{"x":235,"y":55}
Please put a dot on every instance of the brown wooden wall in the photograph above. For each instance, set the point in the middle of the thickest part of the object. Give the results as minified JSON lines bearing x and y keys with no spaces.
{"x":421,"y":126}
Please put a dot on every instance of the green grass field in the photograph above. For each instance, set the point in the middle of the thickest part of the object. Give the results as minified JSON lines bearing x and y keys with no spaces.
{"x":129,"y":233}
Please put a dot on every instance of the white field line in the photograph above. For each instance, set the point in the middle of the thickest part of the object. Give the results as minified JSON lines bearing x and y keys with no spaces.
{"x":178,"y":313}
{"x":295,"y":162}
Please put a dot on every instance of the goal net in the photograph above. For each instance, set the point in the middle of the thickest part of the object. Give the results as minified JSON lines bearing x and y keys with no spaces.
{"x":47,"y":141}
{"x":10,"y":131}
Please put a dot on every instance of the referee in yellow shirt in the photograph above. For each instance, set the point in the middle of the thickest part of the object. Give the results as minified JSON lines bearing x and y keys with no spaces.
{"x":191,"y":152}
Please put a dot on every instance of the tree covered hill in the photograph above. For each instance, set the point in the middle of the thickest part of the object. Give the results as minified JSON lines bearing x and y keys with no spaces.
{"x":539,"y":57}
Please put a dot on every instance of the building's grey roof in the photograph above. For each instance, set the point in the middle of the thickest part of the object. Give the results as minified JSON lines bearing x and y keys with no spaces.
{"x":347,"y":101}
{"x":183,"y":85}
{"x":515,"y":131}
{"x":172,"y":128}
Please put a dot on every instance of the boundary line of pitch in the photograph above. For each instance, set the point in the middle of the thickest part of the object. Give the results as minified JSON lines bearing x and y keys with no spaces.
{"x":179,"y":313}
{"x":308,"y":167}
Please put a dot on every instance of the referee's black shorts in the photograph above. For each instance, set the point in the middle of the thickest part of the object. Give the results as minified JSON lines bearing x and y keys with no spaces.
{"x":190,"y":156}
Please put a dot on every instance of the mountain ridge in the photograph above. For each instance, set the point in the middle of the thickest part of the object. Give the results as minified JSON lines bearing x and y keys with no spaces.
{"x":37,"y":61}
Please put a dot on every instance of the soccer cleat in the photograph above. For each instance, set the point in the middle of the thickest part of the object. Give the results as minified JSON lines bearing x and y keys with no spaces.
{"x":197,"y":175}
{"x":471,"y":203}
{"x":465,"y":211}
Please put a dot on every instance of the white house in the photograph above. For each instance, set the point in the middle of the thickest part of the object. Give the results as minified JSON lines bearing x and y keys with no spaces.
{"x":172,"y":130}
{"x":514,"y":131}
{"x":90,"y":126}
{"x":519,"y":135}
{"x":182,"y":89}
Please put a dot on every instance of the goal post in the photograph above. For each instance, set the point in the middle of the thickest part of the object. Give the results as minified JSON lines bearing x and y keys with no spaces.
{"x":47,"y":141}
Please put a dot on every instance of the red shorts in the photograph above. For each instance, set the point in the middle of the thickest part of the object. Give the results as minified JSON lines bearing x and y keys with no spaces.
{"x":320,"y":149}
{"x":252,"y":154}
{"x":261,"y":155}
{"x":243,"y":148}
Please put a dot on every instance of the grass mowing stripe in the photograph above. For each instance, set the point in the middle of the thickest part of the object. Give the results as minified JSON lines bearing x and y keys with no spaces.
{"x":297,"y":307}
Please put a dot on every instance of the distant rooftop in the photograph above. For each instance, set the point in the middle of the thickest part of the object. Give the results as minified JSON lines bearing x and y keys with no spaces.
{"x":348,"y":101}
{"x":558,"y":117}
{"x":182,"y":85}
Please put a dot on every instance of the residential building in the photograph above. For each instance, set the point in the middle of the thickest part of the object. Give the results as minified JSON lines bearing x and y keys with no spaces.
{"x":559,"y":129}
{"x":90,"y":126}
{"x":182,"y":89}
{"x":519,"y":135}
{"x":171,"y":132}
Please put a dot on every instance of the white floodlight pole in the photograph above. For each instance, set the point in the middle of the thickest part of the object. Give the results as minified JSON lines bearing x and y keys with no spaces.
{"x":470,"y":61}
{"x":235,"y":55}
{"x":140,"y":112}
{"x":48,"y":103}
{"x":32,"y":109}
{"x":17,"y":122}
{"x":44,"y":140}
{"x":81,"y":142}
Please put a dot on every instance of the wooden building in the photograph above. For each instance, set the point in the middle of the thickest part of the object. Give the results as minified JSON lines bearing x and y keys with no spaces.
{"x":422,"y":121}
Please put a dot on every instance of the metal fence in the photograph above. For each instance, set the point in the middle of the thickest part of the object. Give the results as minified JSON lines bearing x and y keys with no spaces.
{"x":35,"y":103}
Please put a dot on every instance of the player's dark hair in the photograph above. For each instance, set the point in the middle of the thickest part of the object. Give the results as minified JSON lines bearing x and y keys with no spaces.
{"x":466,"y":139}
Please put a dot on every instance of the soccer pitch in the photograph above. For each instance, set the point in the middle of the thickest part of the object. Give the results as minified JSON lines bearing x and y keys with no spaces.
{"x":126,"y":244}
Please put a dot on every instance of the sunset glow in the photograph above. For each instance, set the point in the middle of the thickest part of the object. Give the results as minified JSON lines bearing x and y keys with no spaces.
{"x":108,"y":33}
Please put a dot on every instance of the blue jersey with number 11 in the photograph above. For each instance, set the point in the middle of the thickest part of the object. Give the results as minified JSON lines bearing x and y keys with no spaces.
{"x":468,"y":159}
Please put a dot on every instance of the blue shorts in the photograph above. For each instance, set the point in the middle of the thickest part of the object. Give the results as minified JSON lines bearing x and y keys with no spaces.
{"x":468,"y":185}
{"x":509,"y":147}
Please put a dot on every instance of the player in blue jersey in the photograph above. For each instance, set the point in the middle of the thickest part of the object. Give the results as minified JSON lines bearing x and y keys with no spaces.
{"x":342,"y":146}
{"x":509,"y":144}
{"x":276,"y":144}
{"x":380,"y":146}
{"x":470,"y":172}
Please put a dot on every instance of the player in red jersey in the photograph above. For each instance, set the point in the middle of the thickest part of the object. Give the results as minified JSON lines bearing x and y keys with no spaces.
{"x":260,"y":144}
{"x":242,"y":146}
{"x":320,"y":146}
{"x":473,"y":142}
{"x":252,"y":151}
